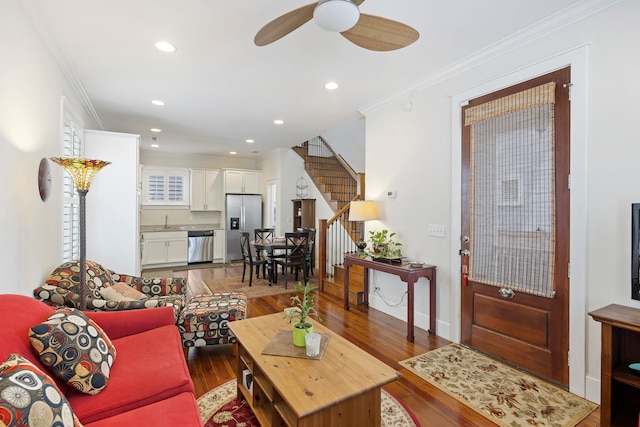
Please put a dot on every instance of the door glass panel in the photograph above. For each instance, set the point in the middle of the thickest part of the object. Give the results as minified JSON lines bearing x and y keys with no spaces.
{"x":512,"y":209}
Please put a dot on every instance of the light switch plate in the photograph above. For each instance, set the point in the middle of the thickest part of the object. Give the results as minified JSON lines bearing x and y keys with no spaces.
{"x":436,"y":230}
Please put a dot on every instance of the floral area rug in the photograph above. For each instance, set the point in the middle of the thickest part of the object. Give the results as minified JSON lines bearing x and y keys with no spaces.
{"x":504,"y":395}
{"x":221,"y":408}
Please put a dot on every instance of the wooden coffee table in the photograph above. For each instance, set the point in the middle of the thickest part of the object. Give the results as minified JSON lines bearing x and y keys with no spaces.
{"x":340,"y":389}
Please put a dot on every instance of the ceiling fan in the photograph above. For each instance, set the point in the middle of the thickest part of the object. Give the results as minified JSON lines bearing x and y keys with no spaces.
{"x":343,"y":16}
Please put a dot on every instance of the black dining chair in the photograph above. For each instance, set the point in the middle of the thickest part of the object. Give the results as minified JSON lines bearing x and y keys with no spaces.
{"x":263,"y":234}
{"x":311,"y":256}
{"x":248,"y":259}
{"x":295,"y":256}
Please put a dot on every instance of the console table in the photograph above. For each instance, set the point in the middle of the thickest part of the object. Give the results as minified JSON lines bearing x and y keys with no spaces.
{"x":407,"y":274}
{"x":619,"y":385}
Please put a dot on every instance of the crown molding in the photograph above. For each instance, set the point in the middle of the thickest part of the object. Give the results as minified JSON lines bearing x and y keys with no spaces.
{"x":521,"y":38}
{"x":37,"y":13}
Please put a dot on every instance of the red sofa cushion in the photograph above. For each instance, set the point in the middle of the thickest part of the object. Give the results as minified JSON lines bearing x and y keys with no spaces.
{"x":150,"y":367}
{"x":18,"y":314}
{"x":180,"y":410}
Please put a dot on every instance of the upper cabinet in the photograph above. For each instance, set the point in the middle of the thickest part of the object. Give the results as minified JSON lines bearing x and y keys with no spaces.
{"x":206,"y":190}
{"x":242,"y":181}
{"x":165,"y":186}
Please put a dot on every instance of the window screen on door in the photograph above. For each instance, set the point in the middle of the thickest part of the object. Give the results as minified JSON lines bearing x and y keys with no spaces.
{"x":512,"y":211}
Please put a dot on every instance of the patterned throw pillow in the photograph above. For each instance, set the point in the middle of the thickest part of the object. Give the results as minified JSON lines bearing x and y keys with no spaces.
{"x":75,"y":349}
{"x":29,"y":397}
{"x":121,"y":292}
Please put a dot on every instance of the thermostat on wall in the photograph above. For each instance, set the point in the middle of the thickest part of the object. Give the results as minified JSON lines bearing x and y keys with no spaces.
{"x":391,"y":194}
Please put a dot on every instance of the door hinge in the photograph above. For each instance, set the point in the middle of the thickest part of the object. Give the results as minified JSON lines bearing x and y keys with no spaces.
{"x":569,"y":270}
{"x":569,"y":181}
{"x":568,"y":358}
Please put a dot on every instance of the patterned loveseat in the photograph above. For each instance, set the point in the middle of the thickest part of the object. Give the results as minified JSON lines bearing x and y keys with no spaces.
{"x":62,"y":288}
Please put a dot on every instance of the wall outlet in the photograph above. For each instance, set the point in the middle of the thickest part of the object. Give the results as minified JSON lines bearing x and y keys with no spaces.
{"x":436,"y":230}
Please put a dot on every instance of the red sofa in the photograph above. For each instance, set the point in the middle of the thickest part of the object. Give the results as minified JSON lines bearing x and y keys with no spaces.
{"x":149,"y":382}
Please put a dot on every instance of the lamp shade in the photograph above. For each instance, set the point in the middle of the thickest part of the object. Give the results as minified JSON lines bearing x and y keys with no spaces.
{"x":336,"y":15}
{"x":81,"y":170}
{"x":363,"y":211}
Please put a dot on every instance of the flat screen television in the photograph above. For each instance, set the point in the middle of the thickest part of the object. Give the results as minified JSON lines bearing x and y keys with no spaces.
{"x":635,"y":251}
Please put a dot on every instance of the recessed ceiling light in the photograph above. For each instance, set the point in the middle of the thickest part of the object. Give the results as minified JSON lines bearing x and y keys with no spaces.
{"x":331,"y":86}
{"x":166,"y":47}
{"x":232,"y":152}
{"x":278,"y":122}
{"x":155,"y":145}
{"x":157,"y":102}
{"x":249,"y":141}
{"x":155,"y":130}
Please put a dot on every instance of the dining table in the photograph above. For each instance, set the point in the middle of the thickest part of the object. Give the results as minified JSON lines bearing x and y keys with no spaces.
{"x":270,"y":246}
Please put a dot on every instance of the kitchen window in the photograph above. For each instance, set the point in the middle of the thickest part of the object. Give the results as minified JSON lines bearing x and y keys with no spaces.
{"x":165,"y":187}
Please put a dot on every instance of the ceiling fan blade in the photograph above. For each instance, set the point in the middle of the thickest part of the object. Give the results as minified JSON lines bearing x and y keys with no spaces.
{"x":283,"y":25}
{"x":380,"y":34}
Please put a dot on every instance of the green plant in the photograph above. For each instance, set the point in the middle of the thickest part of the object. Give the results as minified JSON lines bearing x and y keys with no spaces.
{"x":303,"y":307}
{"x":382,"y":245}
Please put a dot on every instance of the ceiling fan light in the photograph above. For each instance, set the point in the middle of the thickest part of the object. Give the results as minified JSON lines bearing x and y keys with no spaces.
{"x":336,"y":15}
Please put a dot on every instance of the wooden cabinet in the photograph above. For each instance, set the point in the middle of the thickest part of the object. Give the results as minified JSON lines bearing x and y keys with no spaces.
{"x":619,"y":385}
{"x":206,"y":190}
{"x":304,"y":213}
{"x":242,"y":182}
{"x":267,"y":405}
{"x":164,"y":248}
{"x":218,"y":245}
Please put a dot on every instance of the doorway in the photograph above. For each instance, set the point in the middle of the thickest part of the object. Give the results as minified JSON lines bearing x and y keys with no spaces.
{"x":515,"y":225}
{"x":271,"y":204}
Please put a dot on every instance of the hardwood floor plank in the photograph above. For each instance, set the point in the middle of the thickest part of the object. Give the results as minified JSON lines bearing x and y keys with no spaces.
{"x":379,"y":334}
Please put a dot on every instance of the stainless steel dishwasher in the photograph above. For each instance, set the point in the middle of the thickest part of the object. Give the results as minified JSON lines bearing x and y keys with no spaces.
{"x":200,"y":246}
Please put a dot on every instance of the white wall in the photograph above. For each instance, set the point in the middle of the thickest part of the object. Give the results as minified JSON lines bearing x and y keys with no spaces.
{"x":31,"y":84}
{"x":423,"y":141}
{"x":349,"y":141}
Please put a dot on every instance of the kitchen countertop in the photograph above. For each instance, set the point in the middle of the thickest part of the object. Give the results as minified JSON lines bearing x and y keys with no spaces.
{"x":179,"y":227}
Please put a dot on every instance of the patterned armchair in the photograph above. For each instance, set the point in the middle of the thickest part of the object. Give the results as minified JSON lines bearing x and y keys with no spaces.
{"x":62,"y":288}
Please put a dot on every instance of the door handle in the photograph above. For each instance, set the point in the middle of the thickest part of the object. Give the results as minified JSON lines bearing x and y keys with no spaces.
{"x":507,"y":293}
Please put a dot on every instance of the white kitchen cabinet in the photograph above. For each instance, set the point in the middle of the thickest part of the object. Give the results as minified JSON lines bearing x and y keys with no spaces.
{"x":206,"y":190}
{"x":168,"y":248}
{"x":243,"y":181}
{"x":218,"y":245}
{"x":113,"y":201}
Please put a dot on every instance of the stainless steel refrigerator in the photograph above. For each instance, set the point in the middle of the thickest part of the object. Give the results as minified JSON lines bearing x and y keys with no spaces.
{"x":244,"y":213}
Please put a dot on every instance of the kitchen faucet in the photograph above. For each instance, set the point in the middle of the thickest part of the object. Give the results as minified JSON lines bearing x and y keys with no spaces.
{"x":166,"y":221}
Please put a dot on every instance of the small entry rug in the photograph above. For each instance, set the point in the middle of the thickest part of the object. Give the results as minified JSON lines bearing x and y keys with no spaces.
{"x":505,"y":395}
{"x":220,"y":407}
{"x":259,"y":288}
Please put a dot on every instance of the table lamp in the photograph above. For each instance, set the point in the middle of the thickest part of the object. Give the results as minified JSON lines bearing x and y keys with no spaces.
{"x":362,"y":210}
{"x":82,"y":172}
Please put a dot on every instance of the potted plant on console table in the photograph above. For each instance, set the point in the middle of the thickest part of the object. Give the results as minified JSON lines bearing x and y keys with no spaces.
{"x":300,"y":309}
{"x":383,"y":247}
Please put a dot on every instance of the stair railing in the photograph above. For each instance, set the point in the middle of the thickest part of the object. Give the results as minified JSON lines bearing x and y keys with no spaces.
{"x":340,"y":186}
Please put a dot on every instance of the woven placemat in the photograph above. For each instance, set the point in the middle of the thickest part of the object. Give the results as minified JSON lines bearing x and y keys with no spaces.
{"x":282,"y":345}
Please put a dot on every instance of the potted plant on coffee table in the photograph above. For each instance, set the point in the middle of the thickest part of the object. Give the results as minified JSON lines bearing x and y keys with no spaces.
{"x":302,"y":306}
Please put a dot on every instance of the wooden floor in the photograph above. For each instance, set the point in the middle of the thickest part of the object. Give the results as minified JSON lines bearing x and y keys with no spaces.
{"x":377,"y":333}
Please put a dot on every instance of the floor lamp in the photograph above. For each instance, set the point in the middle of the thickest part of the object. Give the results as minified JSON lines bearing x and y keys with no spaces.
{"x":82,"y":171}
{"x":362,"y":210}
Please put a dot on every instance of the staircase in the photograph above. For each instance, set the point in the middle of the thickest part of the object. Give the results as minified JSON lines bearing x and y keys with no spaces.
{"x":334,"y":178}
{"x":339,"y":185}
